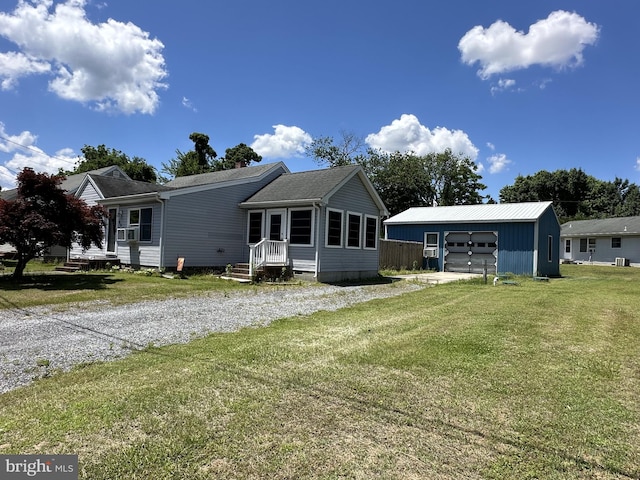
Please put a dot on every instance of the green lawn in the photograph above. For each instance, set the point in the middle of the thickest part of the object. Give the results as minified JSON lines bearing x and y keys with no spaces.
{"x":463,"y":380}
{"x":42,"y":286}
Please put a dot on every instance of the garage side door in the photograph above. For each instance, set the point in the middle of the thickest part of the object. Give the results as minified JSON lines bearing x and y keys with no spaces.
{"x":469,"y":252}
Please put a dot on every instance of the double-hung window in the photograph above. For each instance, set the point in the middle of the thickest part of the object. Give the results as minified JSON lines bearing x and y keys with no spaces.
{"x":370,"y":232}
{"x":334,"y":228}
{"x":143,"y":219}
{"x":354,"y":230}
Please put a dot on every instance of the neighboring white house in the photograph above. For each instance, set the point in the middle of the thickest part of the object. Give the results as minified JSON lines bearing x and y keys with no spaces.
{"x":614,"y":241}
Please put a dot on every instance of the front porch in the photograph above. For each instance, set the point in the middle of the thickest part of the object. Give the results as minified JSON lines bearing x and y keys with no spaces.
{"x":266,"y":258}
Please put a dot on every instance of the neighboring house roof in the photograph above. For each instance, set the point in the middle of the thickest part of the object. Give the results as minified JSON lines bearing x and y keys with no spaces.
{"x":117,"y":187}
{"x":223,"y":176}
{"x":308,"y":187}
{"x":72,"y":182}
{"x":481,"y":213}
{"x":604,"y":226}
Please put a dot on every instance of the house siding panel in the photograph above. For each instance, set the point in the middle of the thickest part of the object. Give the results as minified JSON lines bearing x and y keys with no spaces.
{"x":353,"y":197}
{"x":90,"y":196}
{"x":141,"y":254}
{"x":207,"y":228}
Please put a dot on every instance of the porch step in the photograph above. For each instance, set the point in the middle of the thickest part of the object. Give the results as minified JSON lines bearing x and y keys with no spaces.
{"x":73,"y":266}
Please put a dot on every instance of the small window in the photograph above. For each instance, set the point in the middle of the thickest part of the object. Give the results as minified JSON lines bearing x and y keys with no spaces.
{"x":354,"y":230}
{"x":550,"y":248}
{"x":616,"y":242}
{"x":567,"y":246}
{"x":143,"y":219}
{"x":371,"y":232}
{"x":334,"y":228}
{"x":301,"y":227}
{"x":592,"y":245}
{"x":255,"y":227}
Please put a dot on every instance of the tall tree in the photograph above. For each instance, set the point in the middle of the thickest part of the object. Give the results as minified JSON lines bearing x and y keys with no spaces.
{"x":406,"y":180}
{"x":241,"y":155}
{"x":99,"y":157}
{"x":199,"y":160}
{"x":43,"y":215}
{"x":350,"y":149}
{"x":575,"y":195}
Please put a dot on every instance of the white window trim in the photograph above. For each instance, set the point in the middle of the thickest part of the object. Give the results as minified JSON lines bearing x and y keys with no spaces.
{"x":262,"y":215}
{"x":427,"y":245}
{"x":326,"y":228}
{"x":346,"y":233}
{"x":376,"y":233}
{"x":313,"y":224}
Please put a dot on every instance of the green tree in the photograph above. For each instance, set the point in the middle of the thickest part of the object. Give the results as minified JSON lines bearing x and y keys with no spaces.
{"x":325,"y":151}
{"x":575,"y":195}
{"x":43,"y":215}
{"x":241,"y":155}
{"x":405,"y":180}
{"x":99,"y":157}
{"x":199,"y":160}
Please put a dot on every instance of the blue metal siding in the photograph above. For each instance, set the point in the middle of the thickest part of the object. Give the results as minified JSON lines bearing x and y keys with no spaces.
{"x":548,"y":226}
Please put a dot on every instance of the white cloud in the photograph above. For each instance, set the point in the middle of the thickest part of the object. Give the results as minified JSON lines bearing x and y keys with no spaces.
{"x":26,"y":154}
{"x":637,"y":167}
{"x":498,"y":163}
{"x":556,"y":41}
{"x":115,"y":66}
{"x":186,"y":103}
{"x":491,"y":146}
{"x":503,"y":84}
{"x":406,"y":134}
{"x":286,"y":142}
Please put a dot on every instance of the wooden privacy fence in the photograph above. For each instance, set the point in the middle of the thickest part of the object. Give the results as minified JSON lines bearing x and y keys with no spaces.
{"x":400,"y":254}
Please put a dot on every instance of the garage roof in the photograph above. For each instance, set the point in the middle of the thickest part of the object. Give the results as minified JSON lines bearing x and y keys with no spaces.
{"x":483,"y":213}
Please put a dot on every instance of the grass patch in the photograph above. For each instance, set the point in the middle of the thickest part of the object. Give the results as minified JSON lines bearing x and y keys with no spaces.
{"x":463,"y":380}
{"x":117,"y":288}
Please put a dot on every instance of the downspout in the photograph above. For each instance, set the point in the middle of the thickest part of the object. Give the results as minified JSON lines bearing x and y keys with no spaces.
{"x":536,"y":234}
{"x":162,"y":223}
{"x":317,"y":235}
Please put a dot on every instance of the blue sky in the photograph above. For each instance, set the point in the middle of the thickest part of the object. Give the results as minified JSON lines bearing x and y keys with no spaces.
{"x":517,"y":86}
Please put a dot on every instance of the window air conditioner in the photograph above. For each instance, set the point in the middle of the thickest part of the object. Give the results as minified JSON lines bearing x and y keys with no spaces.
{"x":431,"y":252}
{"x":128,"y":234}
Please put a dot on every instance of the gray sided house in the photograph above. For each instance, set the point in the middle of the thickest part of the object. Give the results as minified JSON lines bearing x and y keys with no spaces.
{"x":613,"y":241}
{"x":260,"y":215}
{"x":519,"y":238}
{"x":329,"y":219}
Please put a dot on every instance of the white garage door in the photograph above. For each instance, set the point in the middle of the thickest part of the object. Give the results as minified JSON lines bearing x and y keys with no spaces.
{"x":470,"y":252}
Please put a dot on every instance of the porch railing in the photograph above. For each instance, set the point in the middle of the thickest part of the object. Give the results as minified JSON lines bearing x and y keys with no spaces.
{"x":267,"y":253}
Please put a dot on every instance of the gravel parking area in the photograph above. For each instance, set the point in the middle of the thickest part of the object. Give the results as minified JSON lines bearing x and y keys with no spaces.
{"x":36,"y":341}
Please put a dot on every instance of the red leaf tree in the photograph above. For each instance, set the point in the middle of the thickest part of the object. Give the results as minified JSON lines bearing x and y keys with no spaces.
{"x":43,"y":215}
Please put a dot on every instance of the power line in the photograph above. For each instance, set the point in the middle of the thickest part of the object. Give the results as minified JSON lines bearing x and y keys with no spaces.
{"x":31,"y":149}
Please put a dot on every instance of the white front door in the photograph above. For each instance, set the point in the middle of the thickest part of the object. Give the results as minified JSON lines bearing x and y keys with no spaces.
{"x":567,"y":249}
{"x":276,"y":224}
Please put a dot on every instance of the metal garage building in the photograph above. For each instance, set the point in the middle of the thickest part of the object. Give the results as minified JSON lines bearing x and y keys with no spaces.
{"x":520,"y":238}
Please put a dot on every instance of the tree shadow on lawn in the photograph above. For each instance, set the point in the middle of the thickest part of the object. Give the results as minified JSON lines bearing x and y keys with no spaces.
{"x":43,"y":281}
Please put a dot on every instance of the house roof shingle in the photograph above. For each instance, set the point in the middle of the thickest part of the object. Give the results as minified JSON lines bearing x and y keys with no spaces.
{"x":481,"y":213}
{"x":313,"y":185}
{"x":221,"y":176}
{"x":603,"y":226}
{"x":111,"y":187}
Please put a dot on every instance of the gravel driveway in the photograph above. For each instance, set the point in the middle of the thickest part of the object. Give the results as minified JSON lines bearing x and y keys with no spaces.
{"x":36,"y":341}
